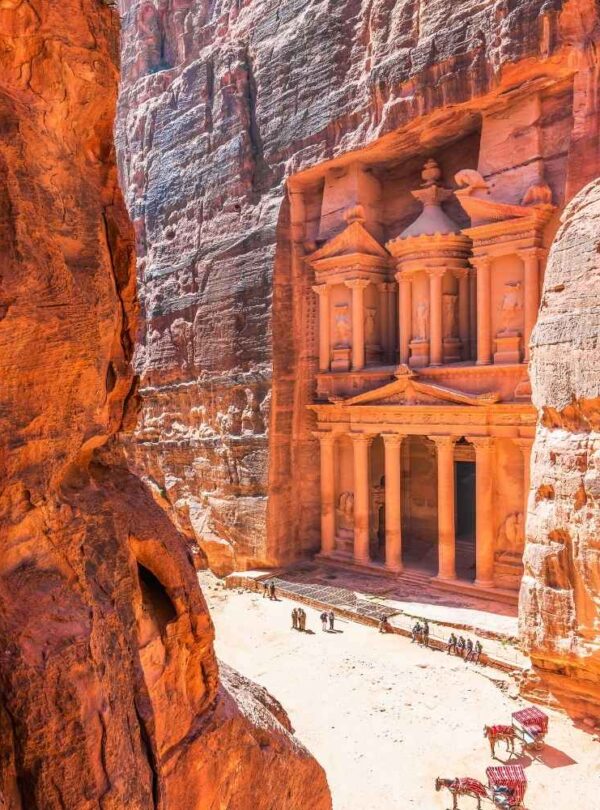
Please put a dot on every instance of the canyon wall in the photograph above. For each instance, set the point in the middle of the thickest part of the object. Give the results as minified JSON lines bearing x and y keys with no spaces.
{"x":110,"y":693}
{"x":223,"y":104}
{"x":560,"y":592}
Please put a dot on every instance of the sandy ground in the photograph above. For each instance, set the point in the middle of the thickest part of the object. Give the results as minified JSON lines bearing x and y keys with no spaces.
{"x":385,"y":717}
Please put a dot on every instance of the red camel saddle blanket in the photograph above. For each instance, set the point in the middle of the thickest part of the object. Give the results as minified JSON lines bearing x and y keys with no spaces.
{"x":468,"y":785}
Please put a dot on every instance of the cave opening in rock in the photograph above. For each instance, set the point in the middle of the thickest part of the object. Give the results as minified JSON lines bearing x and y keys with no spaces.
{"x":155,"y":599}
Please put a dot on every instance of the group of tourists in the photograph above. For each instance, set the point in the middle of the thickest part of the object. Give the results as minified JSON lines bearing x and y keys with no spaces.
{"x":298,"y":619}
{"x":465,"y":648}
{"x":327,"y":618}
{"x":269,"y":590}
{"x":420,"y":633}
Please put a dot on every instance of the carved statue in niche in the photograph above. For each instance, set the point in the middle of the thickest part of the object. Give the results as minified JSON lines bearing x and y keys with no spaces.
{"x":450,"y":317}
{"x":512,"y":304}
{"x":511,"y":536}
{"x":251,"y":419}
{"x":345,"y":511}
{"x":370,"y":325}
{"x":421,"y":321}
{"x":343,"y":330}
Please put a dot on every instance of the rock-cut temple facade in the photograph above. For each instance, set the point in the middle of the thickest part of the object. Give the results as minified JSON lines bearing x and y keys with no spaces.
{"x":422,"y":396}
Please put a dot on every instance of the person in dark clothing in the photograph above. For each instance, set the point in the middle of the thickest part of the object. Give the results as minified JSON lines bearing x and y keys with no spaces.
{"x":295,"y":619}
{"x":331,"y":617}
{"x":384,"y":625}
{"x":416,"y":632}
{"x":425,"y":633}
{"x":323,"y":618}
{"x":272,"y":590}
{"x":265,"y":589}
{"x":460,"y":646}
{"x":468,"y":650}
{"x":452,"y":641}
{"x":477,"y":651}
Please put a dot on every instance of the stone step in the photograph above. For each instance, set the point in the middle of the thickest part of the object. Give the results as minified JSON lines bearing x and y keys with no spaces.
{"x":491,"y":594}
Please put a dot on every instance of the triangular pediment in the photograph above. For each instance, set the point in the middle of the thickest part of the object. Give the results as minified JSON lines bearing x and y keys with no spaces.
{"x":355,"y":238}
{"x":409,"y":389}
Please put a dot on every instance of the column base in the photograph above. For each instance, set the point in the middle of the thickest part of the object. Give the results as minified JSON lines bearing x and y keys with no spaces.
{"x":483,"y":363}
{"x":484,"y":583}
{"x":445,"y":578}
{"x":366,"y":560}
{"x":394,"y":568}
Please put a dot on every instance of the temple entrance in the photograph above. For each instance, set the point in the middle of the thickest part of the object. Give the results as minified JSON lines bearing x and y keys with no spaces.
{"x":465,"y":519}
{"x":419,"y":505}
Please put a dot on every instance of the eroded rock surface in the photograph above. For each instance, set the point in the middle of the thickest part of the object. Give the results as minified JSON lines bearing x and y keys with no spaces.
{"x":560,"y":594}
{"x":221,"y":104}
{"x":109,"y":688}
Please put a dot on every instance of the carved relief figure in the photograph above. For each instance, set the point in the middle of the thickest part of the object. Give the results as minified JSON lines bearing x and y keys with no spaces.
{"x":343,"y":330}
{"x":511,"y":536}
{"x":450,"y":318}
{"x":370,"y":325}
{"x":251,"y":418}
{"x":346,"y":510}
{"x":512,"y":304}
{"x":422,"y":321}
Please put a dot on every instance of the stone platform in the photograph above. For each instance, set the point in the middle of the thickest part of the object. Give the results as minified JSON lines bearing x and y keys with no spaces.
{"x":366,"y":597}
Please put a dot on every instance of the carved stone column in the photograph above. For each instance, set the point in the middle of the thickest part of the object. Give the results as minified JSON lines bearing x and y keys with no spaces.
{"x":435,"y":317}
{"x":525,"y":444}
{"x":392,"y":443}
{"x":405,"y":315}
{"x":446,"y":519}
{"x":484,"y":510}
{"x":358,"y":287}
{"x":386,"y":292}
{"x":484,"y":326}
{"x":327,"y":441}
{"x":463,"y":312}
{"x":392,"y":331}
{"x":322,"y":290}
{"x":531,"y":275}
{"x":361,"y":443}
{"x":472,"y":315}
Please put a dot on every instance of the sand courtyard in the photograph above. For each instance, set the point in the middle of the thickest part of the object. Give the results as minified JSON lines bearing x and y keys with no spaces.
{"x":385,"y":717}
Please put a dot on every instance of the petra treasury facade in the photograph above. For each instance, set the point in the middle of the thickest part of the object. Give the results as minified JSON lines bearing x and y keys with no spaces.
{"x":423,"y":400}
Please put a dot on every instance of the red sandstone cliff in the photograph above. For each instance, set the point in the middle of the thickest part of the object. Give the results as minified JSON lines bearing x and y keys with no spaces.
{"x":560,"y":594}
{"x":109,"y":688}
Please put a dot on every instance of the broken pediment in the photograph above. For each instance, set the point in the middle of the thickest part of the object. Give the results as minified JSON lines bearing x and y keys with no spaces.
{"x":353,"y":242}
{"x":409,"y":389}
{"x":475,"y":198}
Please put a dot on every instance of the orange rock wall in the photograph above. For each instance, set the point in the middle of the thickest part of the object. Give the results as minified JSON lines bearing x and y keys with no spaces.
{"x":560,"y":592}
{"x":109,"y":687}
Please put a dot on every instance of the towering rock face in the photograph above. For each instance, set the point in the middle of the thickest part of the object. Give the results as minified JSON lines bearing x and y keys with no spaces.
{"x":560,"y":595}
{"x":222,"y":105}
{"x":109,"y":687}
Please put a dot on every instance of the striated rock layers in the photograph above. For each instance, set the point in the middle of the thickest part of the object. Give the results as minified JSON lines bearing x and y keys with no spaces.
{"x":560,"y":593}
{"x":109,"y":688}
{"x":222,"y":105}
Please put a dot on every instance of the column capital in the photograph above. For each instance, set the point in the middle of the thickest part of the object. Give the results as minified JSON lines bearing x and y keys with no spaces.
{"x":321,"y":289}
{"x":386,"y":286}
{"x":393,"y":439}
{"x":325,"y":437}
{"x":481,"y":442}
{"x":443,"y":441}
{"x":362,"y":438}
{"x":435,"y":272}
{"x":357,"y":283}
{"x":532,"y":253}
{"x":461,"y":272}
{"x":524,"y":443}
{"x":403,"y":277}
{"x":481,"y":262}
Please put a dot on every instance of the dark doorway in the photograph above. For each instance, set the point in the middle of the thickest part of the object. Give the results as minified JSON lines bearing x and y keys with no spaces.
{"x":465,"y":519}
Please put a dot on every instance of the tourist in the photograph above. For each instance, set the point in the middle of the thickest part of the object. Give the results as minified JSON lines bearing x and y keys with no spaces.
{"x":468,"y":650}
{"x":324,"y":620}
{"x":272,"y":590}
{"x":478,"y":651}
{"x":460,"y":646}
{"x":384,"y":625}
{"x":425,"y":633}
{"x":295,"y":619}
{"x":416,"y":632}
{"x":265,"y":589}
{"x":302,"y":617}
{"x":331,"y":620}
{"x":452,"y":644}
